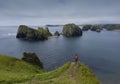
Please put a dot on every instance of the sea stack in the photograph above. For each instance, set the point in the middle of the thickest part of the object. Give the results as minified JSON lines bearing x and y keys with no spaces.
{"x":27,"y":33}
{"x":71,"y":30}
{"x":56,"y":33}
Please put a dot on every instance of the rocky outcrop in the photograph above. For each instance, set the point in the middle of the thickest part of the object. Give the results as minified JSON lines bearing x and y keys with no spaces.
{"x":86,"y":27}
{"x":111,"y":26}
{"x":27,"y":33}
{"x":44,"y":31}
{"x":32,"y":59}
{"x":96,"y":28}
{"x":70,"y":30}
{"x":56,"y":33}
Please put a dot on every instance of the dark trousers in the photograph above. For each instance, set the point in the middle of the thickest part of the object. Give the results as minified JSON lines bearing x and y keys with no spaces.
{"x":76,"y":61}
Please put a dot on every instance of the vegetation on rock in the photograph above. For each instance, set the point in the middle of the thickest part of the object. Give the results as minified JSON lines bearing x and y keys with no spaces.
{"x":28,"y":33}
{"x":112,"y":26}
{"x":86,"y":27}
{"x":70,"y":30}
{"x":32,"y":59}
{"x":96,"y":28}
{"x":45,"y":32}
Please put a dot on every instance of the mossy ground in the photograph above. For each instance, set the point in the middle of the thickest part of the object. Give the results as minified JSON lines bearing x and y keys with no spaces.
{"x":15,"y":71}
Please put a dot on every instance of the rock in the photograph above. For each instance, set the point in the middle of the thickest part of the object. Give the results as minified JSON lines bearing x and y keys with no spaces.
{"x":56,"y":33}
{"x":70,"y":30}
{"x":86,"y":27}
{"x":111,"y":26}
{"x":45,"y":32}
{"x":96,"y":28}
{"x":32,"y":59}
{"x":27,"y":33}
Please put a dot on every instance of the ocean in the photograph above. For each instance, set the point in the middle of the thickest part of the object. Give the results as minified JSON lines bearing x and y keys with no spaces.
{"x":100,"y":51}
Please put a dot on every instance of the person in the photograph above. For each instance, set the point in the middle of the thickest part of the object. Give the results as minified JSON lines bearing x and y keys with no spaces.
{"x":76,"y":58}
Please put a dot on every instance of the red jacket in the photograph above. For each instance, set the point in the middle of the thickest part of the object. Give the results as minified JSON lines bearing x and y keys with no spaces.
{"x":76,"y":57}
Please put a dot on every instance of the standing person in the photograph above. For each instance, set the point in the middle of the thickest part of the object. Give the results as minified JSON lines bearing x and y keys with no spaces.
{"x":76,"y":58}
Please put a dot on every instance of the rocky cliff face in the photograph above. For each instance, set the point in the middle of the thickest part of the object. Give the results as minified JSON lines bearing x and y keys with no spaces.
{"x":27,"y":33}
{"x":32,"y":59}
{"x":70,"y":30}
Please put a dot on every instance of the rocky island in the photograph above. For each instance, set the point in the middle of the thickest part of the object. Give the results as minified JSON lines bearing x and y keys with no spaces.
{"x":111,"y":26}
{"x":71,"y":30}
{"x":28,"y":33}
{"x":56,"y":33}
{"x":96,"y":28}
{"x":86,"y":27}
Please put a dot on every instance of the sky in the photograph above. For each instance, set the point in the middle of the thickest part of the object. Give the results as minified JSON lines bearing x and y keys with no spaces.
{"x":42,"y":12}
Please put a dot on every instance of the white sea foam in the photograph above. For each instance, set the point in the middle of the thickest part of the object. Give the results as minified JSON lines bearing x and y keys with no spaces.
{"x":11,"y":34}
{"x":7,"y":35}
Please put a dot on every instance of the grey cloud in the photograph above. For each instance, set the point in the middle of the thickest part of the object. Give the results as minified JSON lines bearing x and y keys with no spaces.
{"x":55,"y":11}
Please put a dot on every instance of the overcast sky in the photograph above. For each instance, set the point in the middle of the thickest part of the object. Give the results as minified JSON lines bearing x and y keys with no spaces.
{"x":41,"y":12}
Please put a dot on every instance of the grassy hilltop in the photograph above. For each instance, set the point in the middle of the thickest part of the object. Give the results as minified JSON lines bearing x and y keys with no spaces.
{"x":16,"y":71}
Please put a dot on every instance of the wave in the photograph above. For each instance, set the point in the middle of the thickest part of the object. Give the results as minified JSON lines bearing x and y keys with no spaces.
{"x":7,"y":35}
{"x":11,"y":34}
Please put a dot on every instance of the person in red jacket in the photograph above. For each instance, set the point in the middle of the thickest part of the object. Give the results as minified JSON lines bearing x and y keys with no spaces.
{"x":76,"y":58}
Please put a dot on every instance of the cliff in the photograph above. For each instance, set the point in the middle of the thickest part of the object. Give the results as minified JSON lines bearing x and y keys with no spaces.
{"x":14,"y":71}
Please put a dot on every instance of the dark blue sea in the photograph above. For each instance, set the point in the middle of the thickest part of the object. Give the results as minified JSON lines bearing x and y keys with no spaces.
{"x":100,"y":51}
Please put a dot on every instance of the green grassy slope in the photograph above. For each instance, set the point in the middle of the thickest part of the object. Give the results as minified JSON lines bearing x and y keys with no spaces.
{"x":15,"y":71}
{"x":70,"y":73}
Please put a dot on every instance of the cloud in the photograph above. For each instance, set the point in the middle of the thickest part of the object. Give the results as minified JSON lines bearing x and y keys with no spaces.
{"x":59,"y":11}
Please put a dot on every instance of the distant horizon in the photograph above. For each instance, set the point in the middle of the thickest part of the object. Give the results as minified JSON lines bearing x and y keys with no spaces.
{"x":58,"y":24}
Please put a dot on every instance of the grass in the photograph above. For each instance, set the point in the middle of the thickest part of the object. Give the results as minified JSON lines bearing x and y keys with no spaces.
{"x":45,"y":31}
{"x":54,"y":73}
{"x":15,"y":71}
